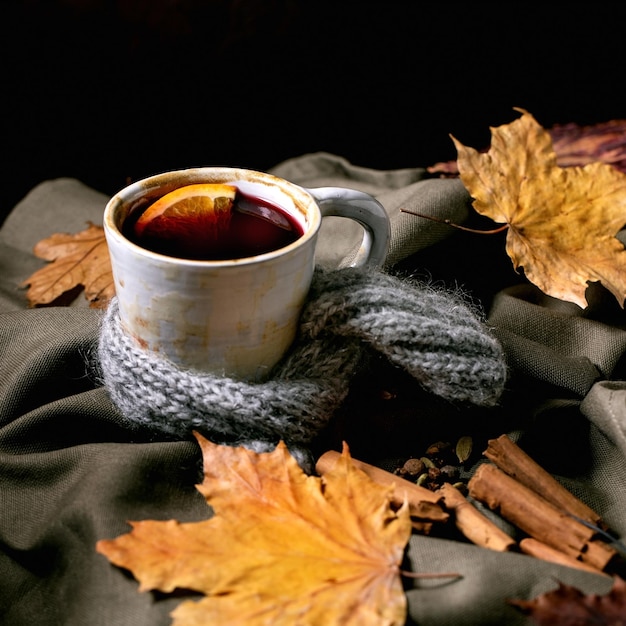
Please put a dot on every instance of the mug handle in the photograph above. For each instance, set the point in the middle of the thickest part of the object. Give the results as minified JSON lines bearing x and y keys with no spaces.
{"x":364,"y":209}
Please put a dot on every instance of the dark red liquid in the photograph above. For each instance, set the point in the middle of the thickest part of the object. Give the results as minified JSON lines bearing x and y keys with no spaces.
{"x":256,"y":227}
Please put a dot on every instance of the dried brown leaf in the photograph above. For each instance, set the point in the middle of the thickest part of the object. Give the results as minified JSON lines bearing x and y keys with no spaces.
{"x":568,"y":606}
{"x":574,"y":144}
{"x":578,"y":145}
{"x":79,"y":260}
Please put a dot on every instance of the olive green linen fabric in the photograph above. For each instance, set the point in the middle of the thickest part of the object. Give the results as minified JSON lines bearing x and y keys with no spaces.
{"x":73,"y":472}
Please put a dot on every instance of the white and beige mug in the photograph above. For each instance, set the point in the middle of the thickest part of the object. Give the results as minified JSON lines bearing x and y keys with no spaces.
{"x":234,"y":317}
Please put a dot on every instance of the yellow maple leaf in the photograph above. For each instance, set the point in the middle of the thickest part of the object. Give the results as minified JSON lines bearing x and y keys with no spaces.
{"x":562,"y":222}
{"x":76,"y":260}
{"x":283,"y":548}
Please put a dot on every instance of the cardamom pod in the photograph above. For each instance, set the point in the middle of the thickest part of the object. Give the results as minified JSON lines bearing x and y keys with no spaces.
{"x":464,"y":448}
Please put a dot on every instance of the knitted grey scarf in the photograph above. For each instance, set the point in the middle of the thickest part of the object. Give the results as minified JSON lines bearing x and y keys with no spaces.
{"x":432,"y":334}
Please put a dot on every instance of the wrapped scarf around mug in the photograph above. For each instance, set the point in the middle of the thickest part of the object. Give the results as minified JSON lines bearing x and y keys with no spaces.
{"x":432,"y":334}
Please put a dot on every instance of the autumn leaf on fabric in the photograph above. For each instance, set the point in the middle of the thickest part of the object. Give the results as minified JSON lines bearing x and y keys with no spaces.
{"x":78,"y":260}
{"x":568,"y":606}
{"x":282,"y":548}
{"x":561,"y":222}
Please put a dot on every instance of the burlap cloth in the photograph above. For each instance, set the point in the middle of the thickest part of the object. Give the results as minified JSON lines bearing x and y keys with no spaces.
{"x":71,"y":472}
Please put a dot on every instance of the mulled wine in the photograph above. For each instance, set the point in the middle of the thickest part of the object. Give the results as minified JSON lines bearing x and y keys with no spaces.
{"x":255,"y":226}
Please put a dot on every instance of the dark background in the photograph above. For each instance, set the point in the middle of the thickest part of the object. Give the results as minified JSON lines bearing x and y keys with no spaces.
{"x":111,"y":91}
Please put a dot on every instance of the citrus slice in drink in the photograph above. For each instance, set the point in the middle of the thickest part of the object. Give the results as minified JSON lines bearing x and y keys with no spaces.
{"x":188,"y":220}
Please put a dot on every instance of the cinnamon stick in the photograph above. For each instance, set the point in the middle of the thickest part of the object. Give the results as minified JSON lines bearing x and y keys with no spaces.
{"x":423,"y":503}
{"x":540,"y":550}
{"x":510,"y":458}
{"x":537,"y":517}
{"x":473,"y":524}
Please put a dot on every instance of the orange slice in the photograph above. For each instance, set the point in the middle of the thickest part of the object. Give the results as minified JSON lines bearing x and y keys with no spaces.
{"x":202,"y":201}
{"x":188,"y":218}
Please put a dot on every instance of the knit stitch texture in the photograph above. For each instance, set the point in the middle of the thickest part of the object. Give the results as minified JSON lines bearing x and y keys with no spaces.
{"x":432,"y":334}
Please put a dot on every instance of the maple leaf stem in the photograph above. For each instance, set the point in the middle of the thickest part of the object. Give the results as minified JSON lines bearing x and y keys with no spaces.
{"x":493,"y":231}
{"x":408,"y":574}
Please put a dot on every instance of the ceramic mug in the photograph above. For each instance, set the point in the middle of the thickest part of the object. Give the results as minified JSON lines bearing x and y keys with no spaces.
{"x":234,"y":317}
